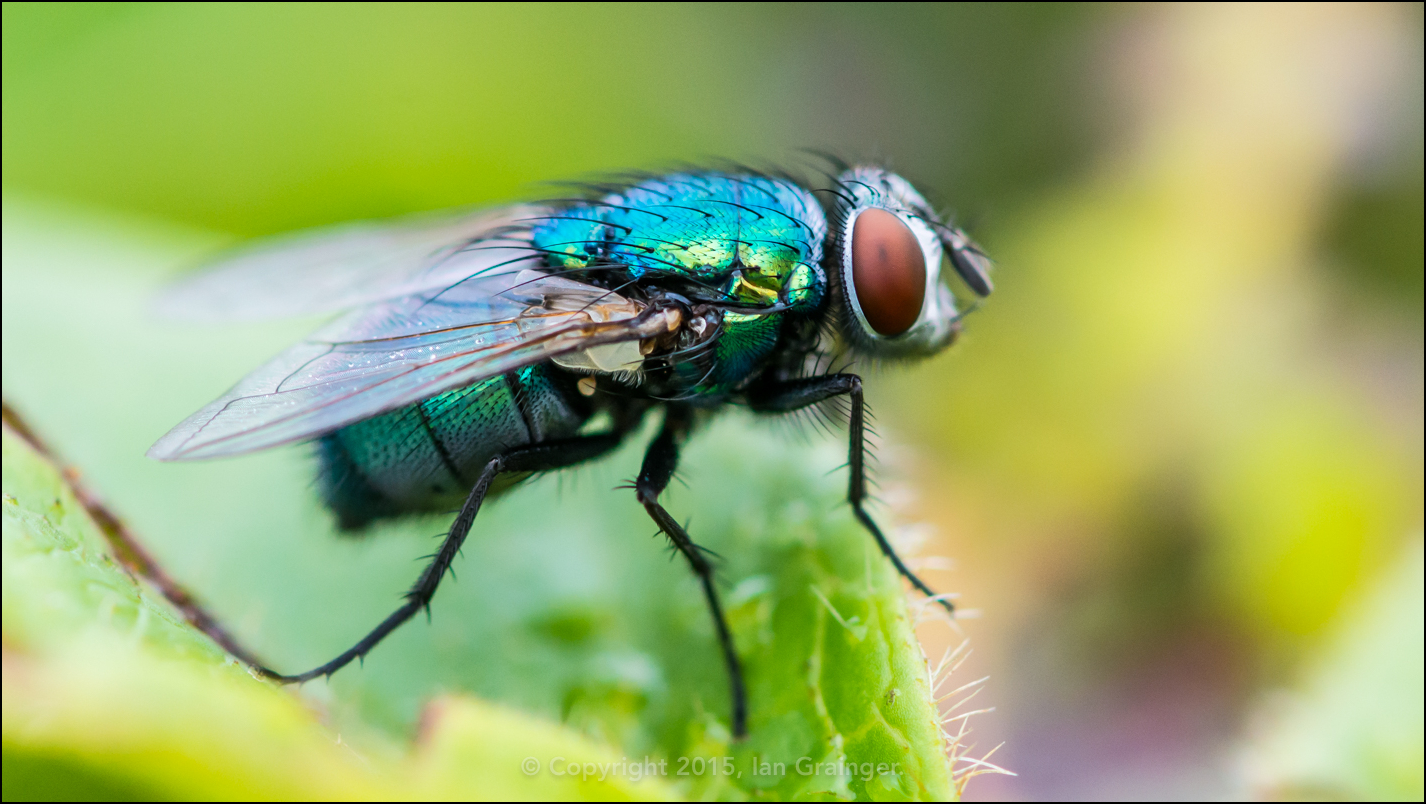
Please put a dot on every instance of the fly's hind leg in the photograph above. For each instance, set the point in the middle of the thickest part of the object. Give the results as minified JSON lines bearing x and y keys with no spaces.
{"x":796,"y":394}
{"x":659,"y":464}
{"x":532,"y":458}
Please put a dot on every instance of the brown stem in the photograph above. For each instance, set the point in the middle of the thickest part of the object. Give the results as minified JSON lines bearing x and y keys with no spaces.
{"x":125,"y":546}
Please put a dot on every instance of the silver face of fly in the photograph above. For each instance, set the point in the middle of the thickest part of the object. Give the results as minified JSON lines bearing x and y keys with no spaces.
{"x":479,"y":347}
{"x":887,"y":250}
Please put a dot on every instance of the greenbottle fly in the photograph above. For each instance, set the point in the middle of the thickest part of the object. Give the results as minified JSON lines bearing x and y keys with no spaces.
{"x":478,"y":348}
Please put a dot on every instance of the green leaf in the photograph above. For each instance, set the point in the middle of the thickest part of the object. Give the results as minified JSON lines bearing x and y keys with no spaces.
{"x":109,"y":695}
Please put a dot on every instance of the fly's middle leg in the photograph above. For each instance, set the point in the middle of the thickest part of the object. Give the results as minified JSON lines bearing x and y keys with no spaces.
{"x":533,"y":458}
{"x":659,"y":464}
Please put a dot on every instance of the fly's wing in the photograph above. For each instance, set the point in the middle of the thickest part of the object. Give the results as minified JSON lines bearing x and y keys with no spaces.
{"x":404,"y":350}
{"x":343,"y":267}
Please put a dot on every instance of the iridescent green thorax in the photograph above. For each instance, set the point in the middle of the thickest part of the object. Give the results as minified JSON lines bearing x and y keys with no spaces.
{"x":741,"y":241}
{"x":751,"y":240}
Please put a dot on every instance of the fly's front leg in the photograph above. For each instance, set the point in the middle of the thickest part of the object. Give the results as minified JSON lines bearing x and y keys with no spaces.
{"x":659,"y":464}
{"x":533,"y":458}
{"x":796,"y":394}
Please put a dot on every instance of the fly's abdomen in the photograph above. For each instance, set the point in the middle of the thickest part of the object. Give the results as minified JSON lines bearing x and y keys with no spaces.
{"x":426,"y":456}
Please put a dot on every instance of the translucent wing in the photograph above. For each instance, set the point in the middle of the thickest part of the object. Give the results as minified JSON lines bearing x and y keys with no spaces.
{"x":345,"y":266}
{"x":403,"y":350}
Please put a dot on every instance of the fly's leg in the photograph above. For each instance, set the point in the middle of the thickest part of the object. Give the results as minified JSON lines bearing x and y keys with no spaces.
{"x":796,"y":394}
{"x":659,"y":464}
{"x":533,"y":458}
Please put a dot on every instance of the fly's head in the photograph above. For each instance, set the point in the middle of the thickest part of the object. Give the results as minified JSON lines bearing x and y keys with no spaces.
{"x":885,"y":251}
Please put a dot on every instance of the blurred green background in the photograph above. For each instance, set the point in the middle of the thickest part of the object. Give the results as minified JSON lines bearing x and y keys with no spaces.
{"x":1176,"y":461}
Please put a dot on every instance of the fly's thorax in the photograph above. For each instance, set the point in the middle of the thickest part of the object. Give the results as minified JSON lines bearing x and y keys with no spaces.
{"x":718,"y":351}
{"x":705,"y":352}
{"x":740,"y":252}
{"x":714,"y":237}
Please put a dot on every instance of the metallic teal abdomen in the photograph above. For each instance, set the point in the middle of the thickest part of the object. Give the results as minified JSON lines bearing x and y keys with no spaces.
{"x":426,"y":456}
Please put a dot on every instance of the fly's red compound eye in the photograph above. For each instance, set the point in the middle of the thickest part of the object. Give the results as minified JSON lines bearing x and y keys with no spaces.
{"x":888,"y":271}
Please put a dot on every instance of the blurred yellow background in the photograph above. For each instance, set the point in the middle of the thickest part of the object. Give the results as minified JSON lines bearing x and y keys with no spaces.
{"x":1176,"y":460}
